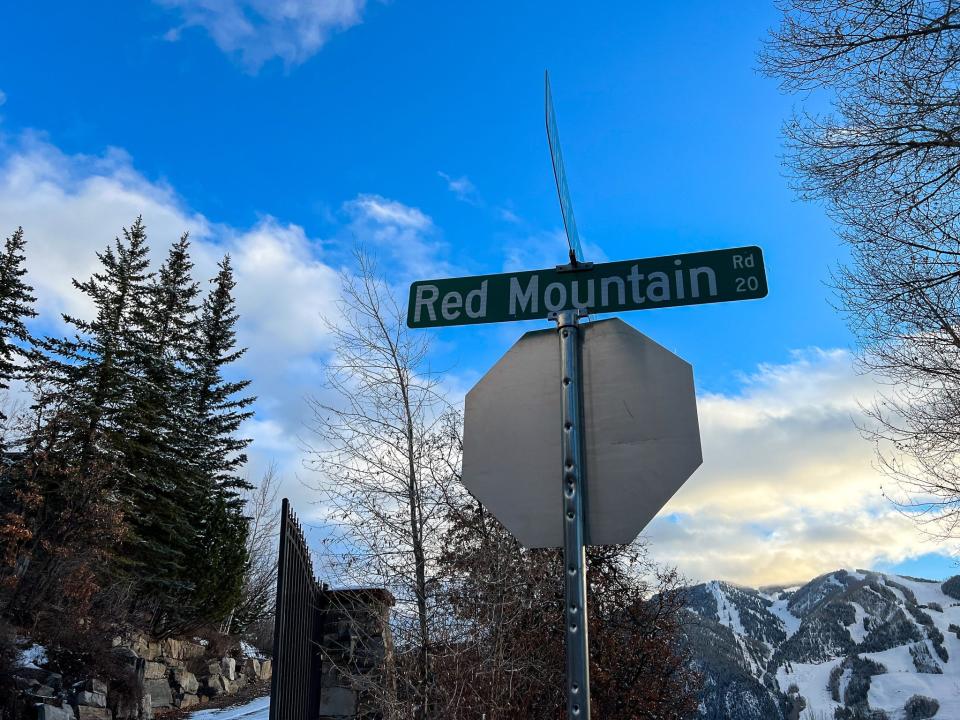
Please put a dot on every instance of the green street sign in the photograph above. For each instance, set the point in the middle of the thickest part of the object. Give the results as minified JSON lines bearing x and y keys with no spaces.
{"x":646,"y":284}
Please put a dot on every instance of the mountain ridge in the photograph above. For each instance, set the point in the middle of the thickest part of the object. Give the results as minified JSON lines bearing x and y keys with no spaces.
{"x":847,"y":644}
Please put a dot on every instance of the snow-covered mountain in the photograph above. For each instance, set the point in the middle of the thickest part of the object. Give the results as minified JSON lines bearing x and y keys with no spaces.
{"x":849,"y":644}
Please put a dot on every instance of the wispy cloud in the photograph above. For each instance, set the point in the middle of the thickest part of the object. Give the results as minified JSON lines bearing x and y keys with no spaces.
{"x":404,"y":236}
{"x":462,"y":187}
{"x":256,"y":31}
{"x":508,"y":215}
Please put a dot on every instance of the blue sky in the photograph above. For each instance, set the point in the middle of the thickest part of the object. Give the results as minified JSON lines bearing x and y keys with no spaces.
{"x":416,"y":128}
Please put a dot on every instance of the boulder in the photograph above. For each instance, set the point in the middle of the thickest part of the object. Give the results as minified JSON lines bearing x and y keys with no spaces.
{"x":145,"y":648}
{"x":192,"y":650}
{"x":42,"y":692}
{"x":52,"y":712}
{"x":160,"y":694}
{"x":216,"y":685}
{"x":229,"y":668}
{"x":172,"y":649}
{"x":92,"y":699}
{"x":251,"y":668}
{"x":85,"y":712}
{"x":188,"y":700}
{"x":213,"y":668}
{"x":154,"y":671}
{"x":185,"y":681}
{"x":266,"y":670}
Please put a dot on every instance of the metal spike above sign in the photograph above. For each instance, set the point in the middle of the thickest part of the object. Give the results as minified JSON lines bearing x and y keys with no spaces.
{"x":560,"y":174}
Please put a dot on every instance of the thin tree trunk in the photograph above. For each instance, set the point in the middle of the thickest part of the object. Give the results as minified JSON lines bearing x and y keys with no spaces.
{"x":420,"y":570}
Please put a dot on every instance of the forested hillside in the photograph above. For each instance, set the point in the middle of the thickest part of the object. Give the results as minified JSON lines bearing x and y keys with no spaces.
{"x":846,"y":645}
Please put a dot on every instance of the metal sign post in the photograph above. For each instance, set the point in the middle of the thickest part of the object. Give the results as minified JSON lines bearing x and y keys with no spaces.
{"x":627,"y":405}
{"x":574,"y":517}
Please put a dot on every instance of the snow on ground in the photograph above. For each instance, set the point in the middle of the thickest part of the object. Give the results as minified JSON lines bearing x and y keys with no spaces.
{"x":791,"y":623}
{"x":931,"y":593}
{"x":812,"y":679}
{"x":726,"y":610}
{"x":32,"y":657}
{"x":890,"y":692}
{"x":258,"y":709}
{"x":926,"y":592}
{"x":248,"y":650}
{"x":845,"y":678}
{"x":857,"y":631}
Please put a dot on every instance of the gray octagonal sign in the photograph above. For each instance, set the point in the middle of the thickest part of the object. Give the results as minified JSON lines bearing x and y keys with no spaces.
{"x":641,"y":437}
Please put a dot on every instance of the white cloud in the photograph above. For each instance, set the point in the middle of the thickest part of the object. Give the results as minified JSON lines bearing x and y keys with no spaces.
{"x":389,"y":213}
{"x":461,"y":187}
{"x":406,"y":239}
{"x":787,"y":489}
{"x":259,"y":30}
{"x":72,"y":206}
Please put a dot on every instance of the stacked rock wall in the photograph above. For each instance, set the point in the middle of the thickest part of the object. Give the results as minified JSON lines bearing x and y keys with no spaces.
{"x":158,"y":675}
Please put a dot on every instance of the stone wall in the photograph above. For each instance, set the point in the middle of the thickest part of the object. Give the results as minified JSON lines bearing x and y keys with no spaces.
{"x":158,"y":676}
{"x":357,"y":654}
{"x":356,"y":682}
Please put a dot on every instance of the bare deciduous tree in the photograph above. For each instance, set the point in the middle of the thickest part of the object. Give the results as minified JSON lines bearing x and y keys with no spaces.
{"x":385,"y":460}
{"x":258,"y":600}
{"x":886,"y":163}
{"x":507,"y":660}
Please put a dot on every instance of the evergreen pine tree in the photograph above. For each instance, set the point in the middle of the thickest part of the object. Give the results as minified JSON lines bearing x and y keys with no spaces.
{"x":162,"y":479}
{"x":16,"y":306}
{"x":219,"y":409}
{"x":72,"y":457}
{"x":95,"y":371}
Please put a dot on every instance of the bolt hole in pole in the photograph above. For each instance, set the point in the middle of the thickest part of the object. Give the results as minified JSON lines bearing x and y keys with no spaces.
{"x":574,"y":529}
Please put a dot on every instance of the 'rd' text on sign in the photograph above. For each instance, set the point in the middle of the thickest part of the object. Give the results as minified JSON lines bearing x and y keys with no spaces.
{"x":690,"y":279}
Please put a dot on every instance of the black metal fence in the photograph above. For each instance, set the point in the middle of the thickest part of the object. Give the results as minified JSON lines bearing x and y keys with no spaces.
{"x":295,"y":689}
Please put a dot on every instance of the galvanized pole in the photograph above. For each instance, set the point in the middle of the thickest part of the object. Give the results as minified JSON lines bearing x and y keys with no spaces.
{"x":574,"y":517}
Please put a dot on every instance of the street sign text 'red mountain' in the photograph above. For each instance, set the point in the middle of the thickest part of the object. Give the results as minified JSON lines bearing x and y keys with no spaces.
{"x":689,"y":279}
{"x":641,"y":437}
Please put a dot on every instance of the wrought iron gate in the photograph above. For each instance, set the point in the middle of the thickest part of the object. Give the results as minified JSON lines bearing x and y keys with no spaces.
{"x":295,"y":688}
